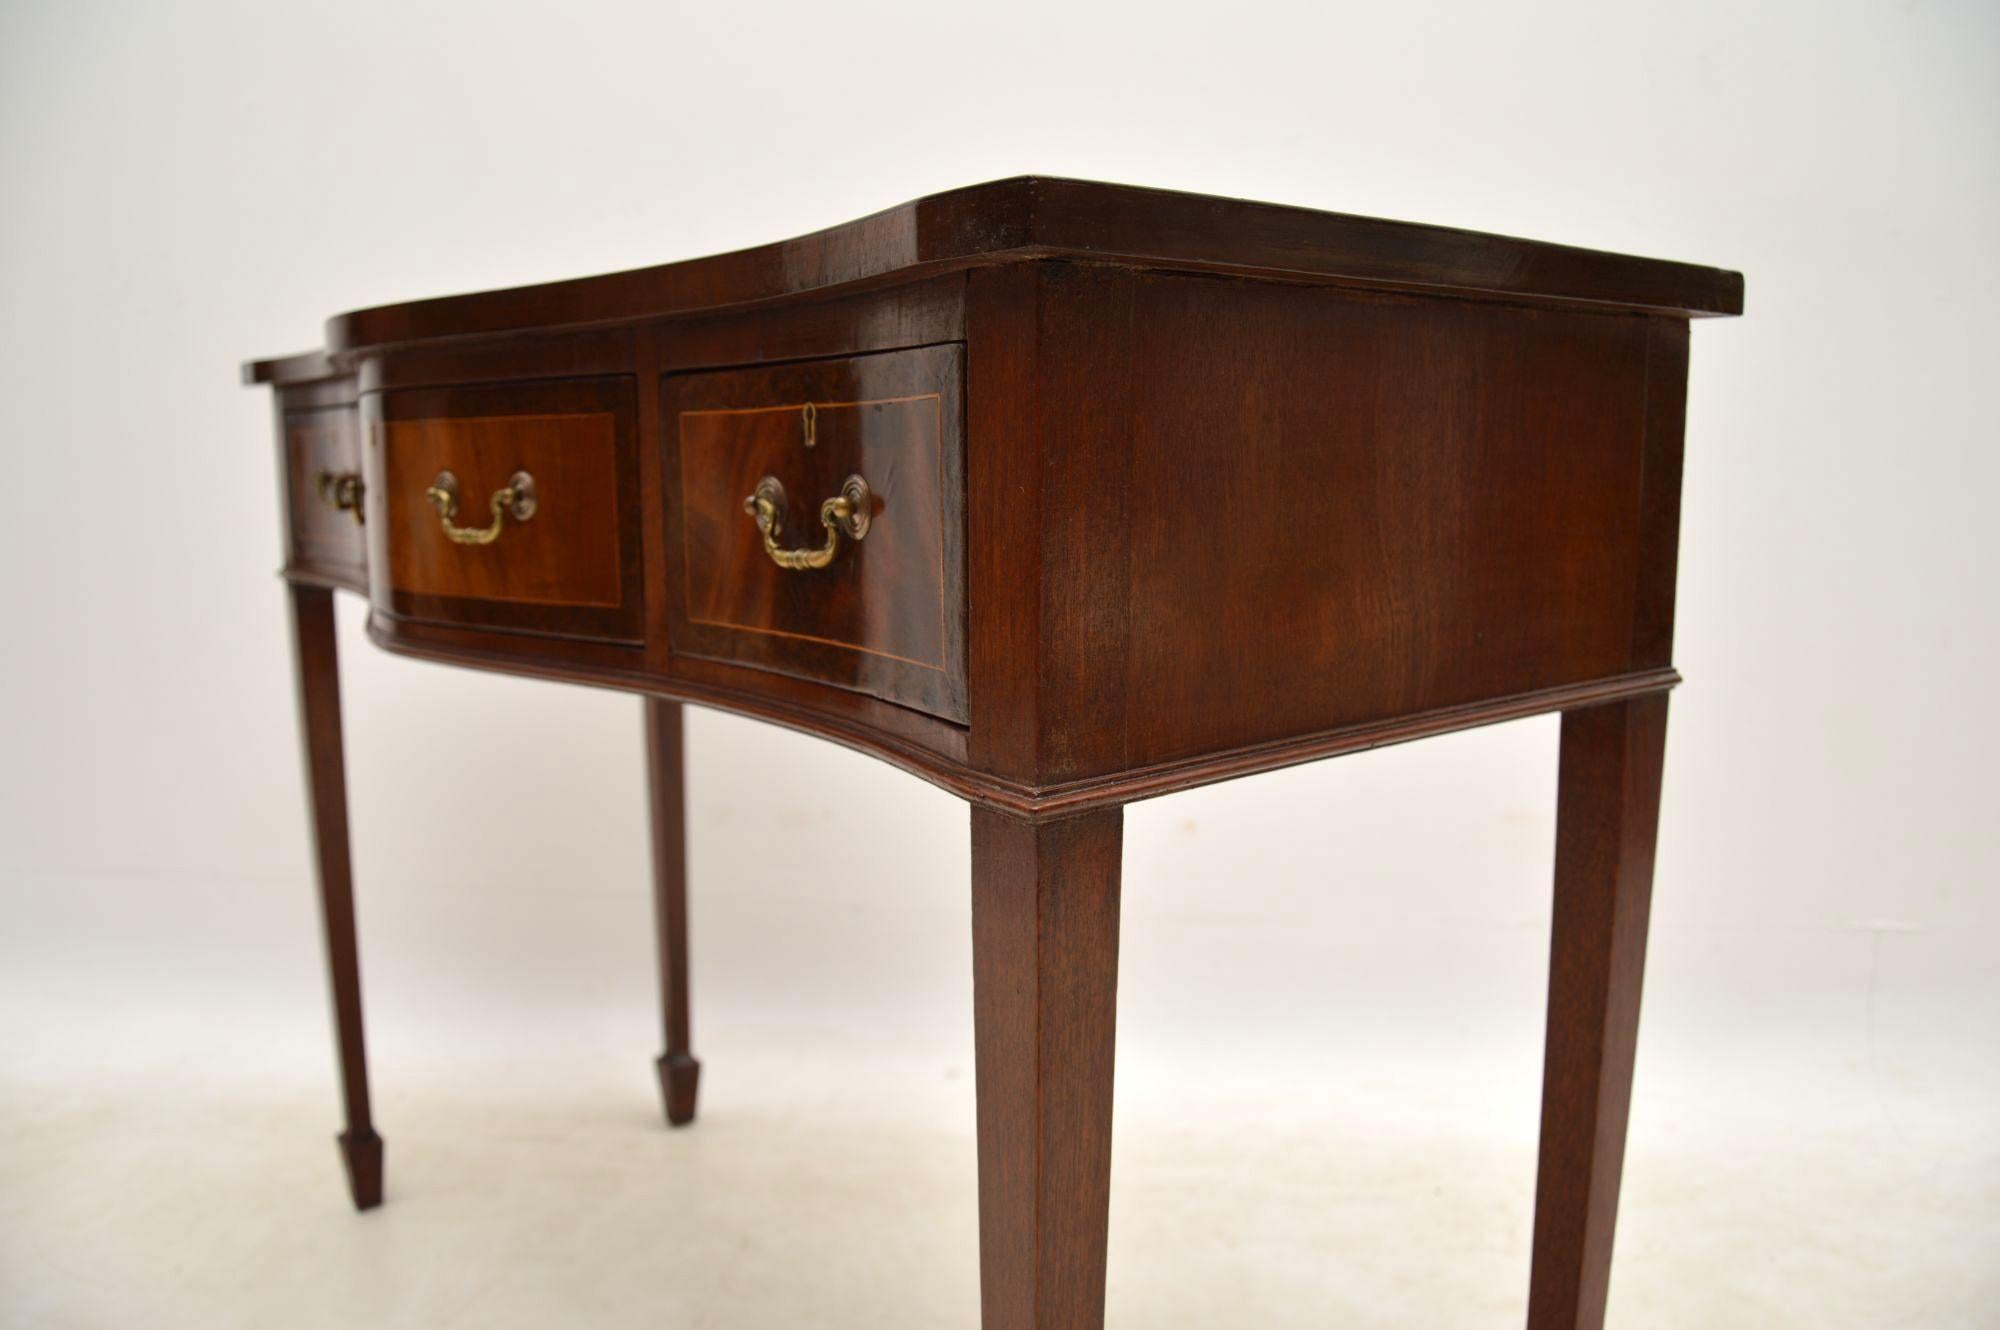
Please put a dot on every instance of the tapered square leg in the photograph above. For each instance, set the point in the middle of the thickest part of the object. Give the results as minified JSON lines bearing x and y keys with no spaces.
{"x":678,"y":1071}
{"x":1045,"y":1005}
{"x":1607,"y":817}
{"x":361,"y":1156}
{"x":318,"y":670}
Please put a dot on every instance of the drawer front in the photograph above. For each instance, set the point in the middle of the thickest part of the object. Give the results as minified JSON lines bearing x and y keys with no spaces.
{"x":324,"y":490}
{"x":883,"y":613}
{"x":568,"y":566}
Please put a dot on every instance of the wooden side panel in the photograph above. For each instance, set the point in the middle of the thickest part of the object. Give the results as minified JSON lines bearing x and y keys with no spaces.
{"x":1660,"y":511}
{"x":573,"y":569}
{"x":1091,"y":518}
{"x":885,"y":616}
{"x":1299,"y":509}
{"x":1002,"y":519}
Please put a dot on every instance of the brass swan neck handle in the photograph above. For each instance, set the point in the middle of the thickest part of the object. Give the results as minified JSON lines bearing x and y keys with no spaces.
{"x":847,"y":513}
{"x":517,"y":500}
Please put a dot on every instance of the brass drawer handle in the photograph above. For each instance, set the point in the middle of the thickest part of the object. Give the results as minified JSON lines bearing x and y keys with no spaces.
{"x":340,"y":491}
{"x":517,"y":501}
{"x":848,"y":512}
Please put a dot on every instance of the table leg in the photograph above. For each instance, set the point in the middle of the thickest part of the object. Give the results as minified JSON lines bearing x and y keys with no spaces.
{"x":678,"y":1071}
{"x":318,"y":669}
{"x":1045,"y":1004}
{"x":1607,"y":814}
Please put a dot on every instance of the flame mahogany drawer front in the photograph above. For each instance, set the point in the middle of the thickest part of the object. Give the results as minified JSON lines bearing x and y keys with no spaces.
{"x":324,"y":489}
{"x":511,"y":506}
{"x":873,"y":602}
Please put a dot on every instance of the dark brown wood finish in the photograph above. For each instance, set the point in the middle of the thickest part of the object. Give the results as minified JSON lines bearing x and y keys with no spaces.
{"x":322,"y":466}
{"x":1200,"y":488}
{"x":317,"y":663}
{"x":919,"y":744}
{"x":923,"y":313}
{"x":1607,"y":816}
{"x":573,"y":569}
{"x":319,"y":477}
{"x":1039,"y":217}
{"x":887,"y":615}
{"x":678,"y":1070}
{"x":1045,"y":1008}
{"x":1660,"y":493}
{"x":290,"y":371}
{"x":1374,"y":506}
{"x":1003,"y":525}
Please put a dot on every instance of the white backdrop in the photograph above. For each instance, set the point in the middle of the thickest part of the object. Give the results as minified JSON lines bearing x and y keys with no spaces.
{"x":1327,"y":1080}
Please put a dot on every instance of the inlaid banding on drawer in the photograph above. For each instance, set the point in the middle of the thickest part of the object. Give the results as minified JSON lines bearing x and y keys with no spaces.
{"x":819,"y":517}
{"x":511,"y":505}
{"x":723,"y":459}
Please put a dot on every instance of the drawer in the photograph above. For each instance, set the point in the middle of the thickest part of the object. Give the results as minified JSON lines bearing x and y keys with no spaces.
{"x":815,"y":446}
{"x":511,"y":506}
{"x":324,"y":489}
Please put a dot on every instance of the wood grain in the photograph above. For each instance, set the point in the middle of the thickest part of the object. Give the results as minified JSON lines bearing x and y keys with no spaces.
{"x":1171,"y":489}
{"x":1045,"y":1006}
{"x":887,"y":615}
{"x":573,"y":569}
{"x":1372,"y":507}
{"x":316,"y":664}
{"x":1607,"y":817}
{"x":1660,"y":493}
{"x":1369,"y":506}
{"x":1369,"y":502}
{"x":1003,"y":507}
{"x":567,"y":554}
{"x":1037,"y":217}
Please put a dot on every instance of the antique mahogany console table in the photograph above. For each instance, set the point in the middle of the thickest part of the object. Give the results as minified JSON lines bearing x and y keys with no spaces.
{"x":1058,"y":495}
